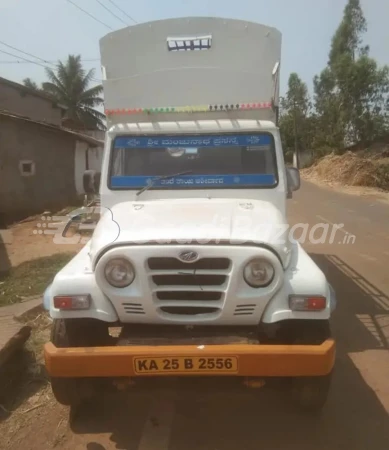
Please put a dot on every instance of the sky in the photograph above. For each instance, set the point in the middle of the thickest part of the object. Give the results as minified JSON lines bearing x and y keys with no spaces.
{"x":52,"y":29}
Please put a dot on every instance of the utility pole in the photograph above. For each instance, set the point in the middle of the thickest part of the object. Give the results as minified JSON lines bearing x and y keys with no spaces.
{"x":296,"y":156}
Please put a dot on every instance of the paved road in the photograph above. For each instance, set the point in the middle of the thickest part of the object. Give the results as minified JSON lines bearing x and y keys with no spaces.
{"x":356,"y":415}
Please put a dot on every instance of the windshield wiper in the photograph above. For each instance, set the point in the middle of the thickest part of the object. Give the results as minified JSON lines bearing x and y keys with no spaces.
{"x":162,"y":177}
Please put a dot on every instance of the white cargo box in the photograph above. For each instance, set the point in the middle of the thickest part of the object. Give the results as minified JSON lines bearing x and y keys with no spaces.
{"x":191,"y":65}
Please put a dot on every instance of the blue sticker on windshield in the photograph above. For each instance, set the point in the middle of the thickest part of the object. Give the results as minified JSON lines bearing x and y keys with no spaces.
{"x":177,"y":146}
{"x":195,"y":181}
{"x":238,"y":140}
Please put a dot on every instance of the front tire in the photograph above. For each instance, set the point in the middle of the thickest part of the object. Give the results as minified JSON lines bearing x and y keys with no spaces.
{"x":310,"y":393}
{"x":76,"y":333}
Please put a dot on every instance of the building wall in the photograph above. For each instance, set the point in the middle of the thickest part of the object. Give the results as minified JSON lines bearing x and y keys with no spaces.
{"x":16,"y":101}
{"x":52,"y":185}
{"x":97,"y":134}
{"x":95,"y":159}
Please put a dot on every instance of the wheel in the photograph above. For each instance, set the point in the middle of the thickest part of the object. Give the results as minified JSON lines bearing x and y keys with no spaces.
{"x":310,"y":393}
{"x":76,"y":333}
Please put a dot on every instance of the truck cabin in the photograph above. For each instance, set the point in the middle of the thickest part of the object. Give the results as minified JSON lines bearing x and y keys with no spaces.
{"x":171,"y":110}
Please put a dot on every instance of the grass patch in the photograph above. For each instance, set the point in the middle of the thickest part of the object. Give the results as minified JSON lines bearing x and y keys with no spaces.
{"x":40,"y":323}
{"x":31,"y":277}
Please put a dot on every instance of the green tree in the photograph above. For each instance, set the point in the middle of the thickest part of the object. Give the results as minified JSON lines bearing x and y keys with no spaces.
{"x":69,"y":85}
{"x":329,"y":113}
{"x":297,"y":97}
{"x":347,"y":40}
{"x":295,"y":123}
{"x":31,"y":84}
{"x":351,"y":94}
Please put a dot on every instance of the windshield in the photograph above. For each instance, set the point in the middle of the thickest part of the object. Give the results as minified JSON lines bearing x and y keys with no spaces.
{"x":218,"y":161}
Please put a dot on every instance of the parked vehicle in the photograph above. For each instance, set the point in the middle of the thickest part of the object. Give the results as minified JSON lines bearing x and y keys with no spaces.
{"x":191,"y":257}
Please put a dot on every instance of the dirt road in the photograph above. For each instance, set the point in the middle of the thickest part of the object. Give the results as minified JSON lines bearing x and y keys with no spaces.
{"x":356,"y":415}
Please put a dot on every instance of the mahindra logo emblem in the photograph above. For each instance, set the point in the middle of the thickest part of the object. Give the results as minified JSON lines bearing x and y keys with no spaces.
{"x":188,"y":256}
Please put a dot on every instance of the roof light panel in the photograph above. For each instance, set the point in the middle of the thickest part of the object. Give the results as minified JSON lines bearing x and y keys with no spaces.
{"x":195,"y":108}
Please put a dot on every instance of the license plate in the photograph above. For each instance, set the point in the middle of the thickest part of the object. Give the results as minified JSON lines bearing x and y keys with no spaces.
{"x":186,"y":365}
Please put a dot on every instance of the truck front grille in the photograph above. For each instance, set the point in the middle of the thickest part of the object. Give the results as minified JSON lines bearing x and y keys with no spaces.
{"x":209,"y":291}
{"x":188,"y":310}
{"x":189,"y":295}
{"x":189,"y":289}
{"x":201,"y":264}
{"x":189,"y":279}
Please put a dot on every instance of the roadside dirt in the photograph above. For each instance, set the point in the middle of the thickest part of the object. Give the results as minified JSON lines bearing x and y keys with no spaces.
{"x":25,"y":245}
{"x":25,"y":394}
{"x":360,"y":191}
{"x":363,"y":173}
{"x":26,"y":401}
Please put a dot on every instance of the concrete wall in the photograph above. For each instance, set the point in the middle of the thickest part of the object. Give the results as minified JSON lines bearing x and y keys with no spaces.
{"x":84,"y":153}
{"x":97,"y":134}
{"x":52,"y":185}
{"x":25,"y":104}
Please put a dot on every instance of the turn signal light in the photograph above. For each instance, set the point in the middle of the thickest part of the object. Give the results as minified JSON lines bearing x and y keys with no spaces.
{"x":72,"y":302}
{"x":311,"y":303}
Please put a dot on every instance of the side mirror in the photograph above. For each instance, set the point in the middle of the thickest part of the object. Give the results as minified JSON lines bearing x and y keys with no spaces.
{"x":293,"y":180}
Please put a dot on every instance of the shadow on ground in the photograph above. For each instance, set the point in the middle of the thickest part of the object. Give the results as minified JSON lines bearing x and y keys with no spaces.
{"x":353,"y":417}
{"x":21,"y":377}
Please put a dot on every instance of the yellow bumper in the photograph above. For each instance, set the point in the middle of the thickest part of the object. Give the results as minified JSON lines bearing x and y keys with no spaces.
{"x":251,"y":360}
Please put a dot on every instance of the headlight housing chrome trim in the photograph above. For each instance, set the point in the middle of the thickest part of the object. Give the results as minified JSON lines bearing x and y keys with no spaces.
{"x":259,"y":273}
{"x":119,"y":272}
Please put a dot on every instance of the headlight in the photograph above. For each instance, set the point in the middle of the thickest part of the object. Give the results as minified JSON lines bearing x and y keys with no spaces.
{"x":258,"y":273}
{"x":119,"y":272}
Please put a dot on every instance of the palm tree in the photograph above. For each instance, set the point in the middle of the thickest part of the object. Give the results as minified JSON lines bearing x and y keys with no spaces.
{"x":31,"y":84}
{"x":69,"y":86}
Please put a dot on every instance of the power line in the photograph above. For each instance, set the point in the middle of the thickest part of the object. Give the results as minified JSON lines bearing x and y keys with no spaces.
{"x":89,"y":14}
{"x":48,"y":62}
{"x":25,"y":53}
{"x":123,"y":12}
{"x":24,"y":59}
{"x":37,"y":63}
{"x":37,"y":57}
{"x":111,"y":12}
{"x":14,"y":62}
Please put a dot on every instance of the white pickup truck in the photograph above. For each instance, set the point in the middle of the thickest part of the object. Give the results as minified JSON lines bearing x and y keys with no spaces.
{"x":191,"y":260}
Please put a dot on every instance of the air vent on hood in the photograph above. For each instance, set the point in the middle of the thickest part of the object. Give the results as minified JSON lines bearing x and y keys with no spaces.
{"x":244,"y":310}
{"x":133,"y":308}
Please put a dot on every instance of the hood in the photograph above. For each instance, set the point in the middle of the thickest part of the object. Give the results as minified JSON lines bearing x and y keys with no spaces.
{"x":193,"y":222}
